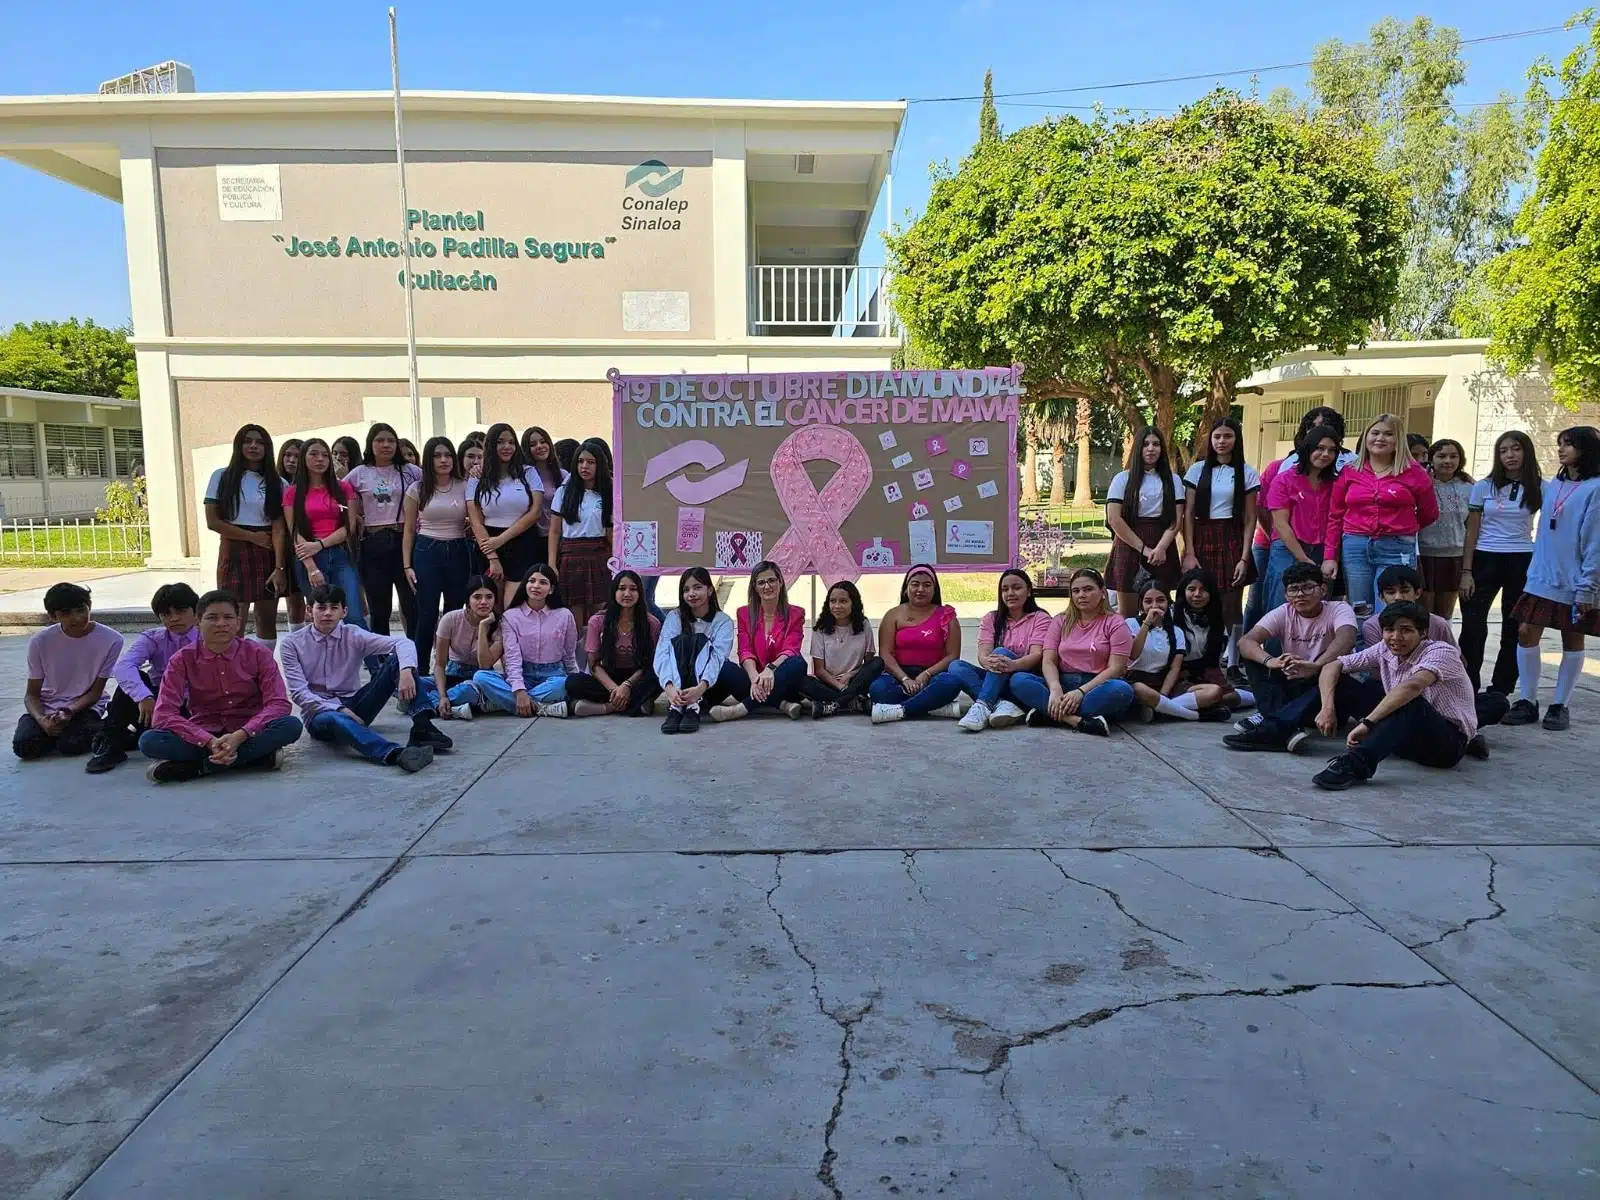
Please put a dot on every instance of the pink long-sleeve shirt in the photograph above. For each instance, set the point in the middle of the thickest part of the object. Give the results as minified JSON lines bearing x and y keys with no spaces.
{"x":323,"y":670}
{"x":1378,"y":505}
{"x":765,"y":645}
{"x":240,"y":688}
{"x":539,"y":635}
{"x":155,"y":647}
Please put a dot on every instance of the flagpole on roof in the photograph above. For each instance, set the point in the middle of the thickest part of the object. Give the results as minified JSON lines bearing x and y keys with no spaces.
{"x":405,"y":234}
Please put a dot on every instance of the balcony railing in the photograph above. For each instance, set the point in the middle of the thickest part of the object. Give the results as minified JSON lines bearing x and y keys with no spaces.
{"x":821,"y":301}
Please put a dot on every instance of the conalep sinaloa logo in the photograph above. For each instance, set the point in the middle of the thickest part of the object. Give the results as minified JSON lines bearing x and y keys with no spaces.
{"x":654,"y":208}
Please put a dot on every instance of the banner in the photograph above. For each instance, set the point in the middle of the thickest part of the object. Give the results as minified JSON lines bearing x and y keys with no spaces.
{"x":841,"y":473}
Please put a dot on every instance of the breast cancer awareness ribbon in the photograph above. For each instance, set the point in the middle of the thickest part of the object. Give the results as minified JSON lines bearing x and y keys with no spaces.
{"x":815,"y":518}
{"x":736,"y":546}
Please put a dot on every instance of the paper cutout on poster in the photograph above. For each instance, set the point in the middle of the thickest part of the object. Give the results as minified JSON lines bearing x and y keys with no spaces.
{"x":691,"y":530}
{"x":969,"y":537}
{"x":886,"y":439}
{"x":891,"y":492}
{"x":978,"y":447}
{"x":738,"y":549}
{"x":923,"y":480}
{"x":935,"y":447}
{"x":988,"y":489}
{"x":918,"y":510}
{"x":878,"y":553}
{"x":639,"y":544}
{"x":900,"y":460}
{"x":952,"y":503}
{"x":924,"y":541}
{"x":961,"y":468}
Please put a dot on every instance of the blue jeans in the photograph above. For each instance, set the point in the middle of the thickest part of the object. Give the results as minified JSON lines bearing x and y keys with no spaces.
{"x":987,"y":688}
{"x":785,"y":685}
{"x":357,"y":732}
{"x":1363,"y":558}
{"x":1260,"y":602}
{"x":442,"y":569}
{"x":339,"y":570}
{"x":1279,"y":561}
{"x":164,"y":745}
{"x":1110,"y":699}
{"x":651,"y":583}
{"x":936,"y":693}
{"x":545,"y":683}
{"x":463,"y":692}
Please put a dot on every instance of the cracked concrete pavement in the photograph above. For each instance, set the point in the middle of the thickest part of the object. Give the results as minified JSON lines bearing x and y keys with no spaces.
{"x":779,"y":960}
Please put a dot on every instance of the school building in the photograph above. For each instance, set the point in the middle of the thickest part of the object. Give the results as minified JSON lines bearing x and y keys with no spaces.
{"x":554,"y":238}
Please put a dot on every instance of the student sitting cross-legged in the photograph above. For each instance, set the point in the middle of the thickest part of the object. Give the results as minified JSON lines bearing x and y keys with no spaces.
{"x":541,"y":650}
{"x":138,"y":674}
{"x":237,"y":710}
{"x":844,"y":656}
{"x":919,"y":638}
{"x":450,"y":693}
{"x":322,"y":664}
{"x":692,"y":653}
{"x":1309,"y":630}
{"x":68,"y":665}
{"x":772,"y":635}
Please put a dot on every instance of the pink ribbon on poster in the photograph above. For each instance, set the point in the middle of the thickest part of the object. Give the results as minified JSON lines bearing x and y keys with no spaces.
{"x":815,"y":518}
{"x":736,"y":545}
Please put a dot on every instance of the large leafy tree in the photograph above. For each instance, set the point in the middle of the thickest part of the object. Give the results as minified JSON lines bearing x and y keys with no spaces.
{"x":69,"y":356}
{"x":1545,"y":293}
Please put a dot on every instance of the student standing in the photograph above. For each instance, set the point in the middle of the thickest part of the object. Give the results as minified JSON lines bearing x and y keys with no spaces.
{"x":1144,"y":509}
{"x":1497,"y":548}
{"x":409,"y":455}
{"x":1081,"y":685}
{"x":378,"y":486}
{"x":222,"y":704}
{"x":1563,"y":588}
{"x":472,"y":454}
{"x":322,"y":668}
{"x":503,"y":504}
{"x":449,"y":691}
{"x":580,"y":530}
{"x":1441,"y":543}
{"x":293,"y":598}
{"x":692,"y":654}
{"x":1298,"y":503}
{"x":1010,"y":639}
{"x":918,"y":640}
{"x":540,"y":453}
{"x":244,"y":507}
{"x":620,"y":647}
{"x":1309,"y":631}
{"x":68,"y":665}
{"x":771,"y":634}
{"x":844,"y":654}
{"x":320,"y":524}
{"x":1217,"y":520}
{"x":346,"y":453}
{"x":434,"y":541}
{"x":541,"y":650}
{"x":138,"y":675}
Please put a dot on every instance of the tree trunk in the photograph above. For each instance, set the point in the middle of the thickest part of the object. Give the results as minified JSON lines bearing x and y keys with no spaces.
{"x":1082,"y":493}
{"x":1163,"y":379}
{"x":1058,"y":469}
{"x":1219,"y":399}
{"x":1030,"y":461}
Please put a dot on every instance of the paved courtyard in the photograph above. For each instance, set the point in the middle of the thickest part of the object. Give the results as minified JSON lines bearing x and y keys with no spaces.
{"x":777,"y":960}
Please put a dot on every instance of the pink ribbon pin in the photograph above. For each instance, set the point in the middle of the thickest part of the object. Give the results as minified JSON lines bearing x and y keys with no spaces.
{"x":815,"y":517}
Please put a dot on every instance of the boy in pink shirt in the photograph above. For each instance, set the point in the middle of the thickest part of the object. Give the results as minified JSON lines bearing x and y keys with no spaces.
{"x":1309,"y":631}
{"x":68,"y":665}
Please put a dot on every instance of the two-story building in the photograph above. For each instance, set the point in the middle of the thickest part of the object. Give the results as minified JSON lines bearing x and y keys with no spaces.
{"x":554,"y":238}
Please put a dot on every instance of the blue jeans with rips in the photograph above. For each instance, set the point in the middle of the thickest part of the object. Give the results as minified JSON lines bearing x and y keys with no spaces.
{"x":1362,"y":558}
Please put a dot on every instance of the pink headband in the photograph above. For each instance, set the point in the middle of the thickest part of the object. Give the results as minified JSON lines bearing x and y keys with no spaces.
{"x":928,"y":571}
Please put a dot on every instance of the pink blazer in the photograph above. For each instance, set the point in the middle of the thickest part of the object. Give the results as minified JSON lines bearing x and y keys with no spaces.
{"x":764,"y":645}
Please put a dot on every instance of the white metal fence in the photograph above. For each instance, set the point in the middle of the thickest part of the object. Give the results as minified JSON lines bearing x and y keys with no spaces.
{"x":42,"y":542}
{"x":821,"y":301}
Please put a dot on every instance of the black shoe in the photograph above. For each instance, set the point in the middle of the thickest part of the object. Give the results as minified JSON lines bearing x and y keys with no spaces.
{"x":1523,"y":712}
{"x":412,"y":759}
{"x":1340,"y":773}
{"x":425,"y":733}
{"x":1261,"y":737}
{"x":1220,"y":712}
{"x":823,"y":708}
{"x":1478,"y":748}
{"x":674,"y":721}
{"x":1237,"y":677}
{"x":690,"y":722}
{"x":1557,"y":717}
{"x":1037,"y":719}
{"x":1094,"y":726}
{"x":174,"y":771}
{"x":104,"y":755}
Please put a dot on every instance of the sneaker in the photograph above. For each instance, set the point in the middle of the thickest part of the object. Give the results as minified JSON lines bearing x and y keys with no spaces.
{"x":1220,"y":712}
{"x":1249,"y":723}
{"x":1340,"y":773}
{"x":558,"y":709}
{"x":462,"y":712}
{"x":103,"y":755}
{"x":425,"y":733}
{"x":674,"y":721}
{"x":1478,"y":748}
{"x":882,"y":714}
{"x":174,"y":771}
{"x":977,"y":719}
{"x":791,"y":709}
{"x":1523,"y":712}
{"x":1005,"y":715}
{"x":1037,"y":719}
{"x":1557,"y":717}
{"x":690,"y":722}
{"x":1237,"y":677}
{"x":731,"y":711}
{"x":412,"y":759}
{"x":1297,"y":739}
{"x":951,"y":710}
{"x":1259,"y":738}
{"x":1146,"y":715}
{"x":1095,"y":726}
{"x":823,"y":708}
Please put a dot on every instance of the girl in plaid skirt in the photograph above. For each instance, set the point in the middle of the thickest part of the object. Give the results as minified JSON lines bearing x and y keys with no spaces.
{"x":1218,"y":520}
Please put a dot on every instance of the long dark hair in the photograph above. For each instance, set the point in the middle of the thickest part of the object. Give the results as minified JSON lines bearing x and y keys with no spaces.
{"x":425,"y":489}
{"x":405,"y":445}
{"x":1585,"y":439}
{"x":1202,"y":490}
{"x":1210,"y":619}
{"x":1310,"y":439}
{"x":572,"y":497}
{"x":644,"y":646}
{"x":1002,"y":615}
{"x":1146,"y":582}
{"x":1136,"y":474}
{"x":565,"y":452}
{"x":492,"y":621}
{"x":685,"y":613}
{"x":1461,"y":457}
{"x":368,"y":459}
{"x":494,"y":470}
{"x":302,"y":485}
{"x":938,"y":596}
{"x":1321,"y":414}
{"x":232,"y":481}
{"x":288,"y":445}
{"x":352,"y":451}
{"x":1532,"y":482}
{"x":858,"y":616}
{"x":753,"y":597}
{"x":554,"y":600}
{"x":550,"y":469}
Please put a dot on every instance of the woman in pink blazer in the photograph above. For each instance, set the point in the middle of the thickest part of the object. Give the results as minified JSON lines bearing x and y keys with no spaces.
{"x":771,"y":634}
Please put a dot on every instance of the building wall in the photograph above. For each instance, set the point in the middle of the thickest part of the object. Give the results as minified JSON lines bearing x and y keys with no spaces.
{"x":41,"y":494}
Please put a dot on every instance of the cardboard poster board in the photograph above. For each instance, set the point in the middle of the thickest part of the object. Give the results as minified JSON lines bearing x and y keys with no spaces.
{"x":841,"y":473}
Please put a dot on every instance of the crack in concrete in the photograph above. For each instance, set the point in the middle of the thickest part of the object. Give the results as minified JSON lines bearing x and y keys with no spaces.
{"x":1274,"y":812}
{"x":93,"y":1121}
{"x":1307,"y":908}
{"x":1299,"y":929}
{"x":1489,"y":895}
{"x":911,"y":874}
{"x":360,"y":902}
{"x":1073,"y":1178}
{"x":1113,"y":897}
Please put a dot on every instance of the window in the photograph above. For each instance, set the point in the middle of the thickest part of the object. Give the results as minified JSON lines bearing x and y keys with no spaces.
{"x":1360,"y":409}
{"x":19,"y":457}
{"x":128,"y":445}
{"x":71,"y":451}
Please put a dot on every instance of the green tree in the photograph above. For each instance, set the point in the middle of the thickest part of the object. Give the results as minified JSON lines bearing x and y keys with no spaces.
{"x":1543,"y":297}
{"x":988,"y":118}
{"x":69,"y":356}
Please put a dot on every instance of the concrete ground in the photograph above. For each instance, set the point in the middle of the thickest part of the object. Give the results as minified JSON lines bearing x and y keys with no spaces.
{"x":783,"y":960}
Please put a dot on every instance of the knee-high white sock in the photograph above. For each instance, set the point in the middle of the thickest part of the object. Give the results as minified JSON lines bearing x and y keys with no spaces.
{"x":1172,"y":708}
{"x":1567,"y":675}
{"x":1528,"y":668}
{"x":1247,"y":698}
{"x":1188,"y":700}
{"x":1235,"y":632}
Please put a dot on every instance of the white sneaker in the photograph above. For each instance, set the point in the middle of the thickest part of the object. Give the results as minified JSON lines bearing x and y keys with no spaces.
{"x":558,"y":709}
{"x":882,"y":714}
{"x":1005,"y":714}
{"x":977,"y":718}
{"x":951,"y":710}
{"x":461,"y":712}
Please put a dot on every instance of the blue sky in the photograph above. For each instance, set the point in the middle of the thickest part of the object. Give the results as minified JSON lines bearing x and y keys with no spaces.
{"x":63,"y":253}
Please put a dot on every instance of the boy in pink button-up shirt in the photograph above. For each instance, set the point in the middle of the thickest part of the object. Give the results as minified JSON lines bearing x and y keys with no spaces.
{"x":138,"y":675}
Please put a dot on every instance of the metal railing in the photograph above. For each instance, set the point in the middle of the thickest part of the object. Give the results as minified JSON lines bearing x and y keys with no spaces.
{"x":43,"y":542}
{"x":821,"y":301}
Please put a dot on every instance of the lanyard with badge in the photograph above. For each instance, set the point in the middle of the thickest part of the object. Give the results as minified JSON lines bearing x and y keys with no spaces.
{"x":1563,"y":494}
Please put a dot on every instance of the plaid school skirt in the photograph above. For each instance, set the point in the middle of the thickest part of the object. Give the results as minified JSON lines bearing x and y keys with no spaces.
{"x":1126,"y":562}
{"x":1550,"y":614}
{"x":1219,"y":544}
{"x":243,"y":568}
{"x":585,"y":577}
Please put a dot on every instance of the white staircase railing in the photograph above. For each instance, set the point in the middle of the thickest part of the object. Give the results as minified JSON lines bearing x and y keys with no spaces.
{"x":821,"y":301}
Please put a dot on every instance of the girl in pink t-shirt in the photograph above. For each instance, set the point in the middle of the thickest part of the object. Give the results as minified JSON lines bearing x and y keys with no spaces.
{"x":320,"y":522}
{"x":1011,"y":639}
{"x":1298,"y":499}
{"x":1081,"y":685}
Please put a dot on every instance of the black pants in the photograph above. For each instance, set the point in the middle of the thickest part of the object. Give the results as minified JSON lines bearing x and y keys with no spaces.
{"x":1415,"y":731}
{"x":382,"y":575}
{"x":1506,"y":574}
{"x":121,"y":722}
{"x":587,"y":687}
{"x":731,"y":682}
{"x":817,"y":692}
{"x":1273,"y":689}
{"x":31,"y":741}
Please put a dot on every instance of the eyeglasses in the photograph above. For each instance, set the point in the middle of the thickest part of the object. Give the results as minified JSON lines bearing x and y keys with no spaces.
{"x":1301,"y":589}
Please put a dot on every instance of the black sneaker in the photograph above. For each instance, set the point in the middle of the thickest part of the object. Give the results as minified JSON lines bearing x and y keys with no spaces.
{"x":1095,"y":726}
{"x":823,"y":708}
{"x":1037,"y":719}
{"x":1478,"y":748}
{"x":1340,"y":773}
{"x":412,"y":759}
{"x":425,"y":733}
{"x":1557,"y":717}
{"x":103,"y":755}
{"x":674,"y":721}
{"x":1237,"y":677}
{"x":1523,"y":712}
{"x":1261,"y":737}
{"x":691,"y":721}
{"x":1220,"y":712}
{"x":174,"y":771}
